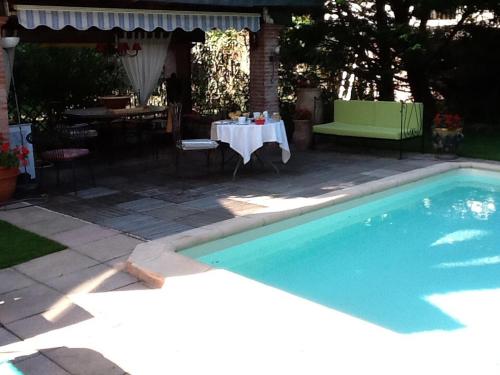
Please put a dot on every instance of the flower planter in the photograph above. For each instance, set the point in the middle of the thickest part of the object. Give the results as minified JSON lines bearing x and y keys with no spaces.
{"x":302,"y":134}
{"x":8,"y":180}
{"x":309,"y":98}
{"x":446,"y":142}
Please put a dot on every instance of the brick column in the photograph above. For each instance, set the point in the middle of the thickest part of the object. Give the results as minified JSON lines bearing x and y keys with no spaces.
{"x":263,"y":72}
{"x":4,"y":112}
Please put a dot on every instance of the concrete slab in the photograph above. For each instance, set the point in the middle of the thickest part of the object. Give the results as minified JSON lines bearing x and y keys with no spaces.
{"x":83,"y":235}
{"x":144,"y":204}
{"x":39,"y":365}
{"x":52,"y":226}
{"x":119,"y":263}
{"x":7,"y":338}
{"x":100,"y":278}
{"x":161,"y":230}
{"x":95,"y":192}
{"x":10,"y":280}
{"x":63,"y":314}
{"x":28,"y":301}
{"x":29,"y":215}
{"x":83,"y":361}
{"x":172,"y":212}
{"x":133,"y":287}
{"x":204,"y":218}
{"x":55,"y":265}
{"x":109,"y":248}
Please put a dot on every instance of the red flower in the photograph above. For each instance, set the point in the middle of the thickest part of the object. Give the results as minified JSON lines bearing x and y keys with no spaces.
{"x":25,"y":151}
{"x":448,"y":119}
{"x":5,"y":147}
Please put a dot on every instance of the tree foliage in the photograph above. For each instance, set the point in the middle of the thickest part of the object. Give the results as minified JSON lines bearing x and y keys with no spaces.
{"x":389,"y":45}
{"x":220,"y":72}
{"x":53,"y":79}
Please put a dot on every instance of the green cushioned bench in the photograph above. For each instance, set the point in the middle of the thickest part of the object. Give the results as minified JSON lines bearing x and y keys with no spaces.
{"x":371,"y":119}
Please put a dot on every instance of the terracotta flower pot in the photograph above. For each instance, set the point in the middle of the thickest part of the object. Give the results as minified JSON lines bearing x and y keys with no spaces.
{"x":446,"y":142}
{"x":302,"y":134}
{"x":309,"y":98}
{"x":8,"y":180}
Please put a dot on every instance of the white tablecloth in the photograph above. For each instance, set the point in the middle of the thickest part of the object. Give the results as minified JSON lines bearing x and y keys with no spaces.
{"x":246,"y":139}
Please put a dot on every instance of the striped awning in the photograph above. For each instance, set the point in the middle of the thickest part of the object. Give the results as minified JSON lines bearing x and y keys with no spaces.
{"x":56,"y":18}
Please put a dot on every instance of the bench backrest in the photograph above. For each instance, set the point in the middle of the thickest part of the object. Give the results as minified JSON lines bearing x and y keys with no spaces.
{"x":356,"y":112}
{"x":381,"y":114}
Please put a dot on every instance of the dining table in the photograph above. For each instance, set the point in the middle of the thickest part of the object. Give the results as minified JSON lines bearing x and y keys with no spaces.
{"x":106,"y":114}
{"x":247,"y":138}
{"x":109,"y":121}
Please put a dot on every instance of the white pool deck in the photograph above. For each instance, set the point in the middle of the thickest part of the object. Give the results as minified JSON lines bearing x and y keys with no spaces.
{"x":207,"y":321}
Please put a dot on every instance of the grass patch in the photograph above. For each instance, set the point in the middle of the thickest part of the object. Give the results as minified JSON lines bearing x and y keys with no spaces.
{"x":481,"y":146}
{"x":18,"y":245}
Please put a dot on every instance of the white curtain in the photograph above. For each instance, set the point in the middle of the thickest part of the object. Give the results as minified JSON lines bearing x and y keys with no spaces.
{"x":144,"y":70}
{"x":8,"y":60}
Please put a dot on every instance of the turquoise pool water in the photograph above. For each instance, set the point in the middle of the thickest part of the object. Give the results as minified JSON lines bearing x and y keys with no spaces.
{"x":378,"y":260}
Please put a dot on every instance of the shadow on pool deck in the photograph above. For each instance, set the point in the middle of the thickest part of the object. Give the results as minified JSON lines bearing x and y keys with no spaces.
{"x":143,"y":197}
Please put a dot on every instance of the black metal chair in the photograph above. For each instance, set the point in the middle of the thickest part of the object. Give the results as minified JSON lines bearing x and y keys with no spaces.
{"x":65,"y":145}
{"x":184,"y":145}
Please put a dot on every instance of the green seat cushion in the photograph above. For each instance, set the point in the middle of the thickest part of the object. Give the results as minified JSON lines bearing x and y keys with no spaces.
{"x":350,"y":130}
{"x":357,"y":112}
{"x":387,"y":114}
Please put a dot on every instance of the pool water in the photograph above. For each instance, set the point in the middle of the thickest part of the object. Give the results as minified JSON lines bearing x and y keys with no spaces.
{"x":382,"y":260}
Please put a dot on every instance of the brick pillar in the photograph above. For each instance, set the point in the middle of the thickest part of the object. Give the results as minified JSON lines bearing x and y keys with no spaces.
{"x":4,"y":112}
{"x":263,"y":72}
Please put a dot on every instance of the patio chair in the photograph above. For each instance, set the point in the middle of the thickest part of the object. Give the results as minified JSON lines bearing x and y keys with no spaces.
{"x":62,"y":146}
{"x":184,"y":145}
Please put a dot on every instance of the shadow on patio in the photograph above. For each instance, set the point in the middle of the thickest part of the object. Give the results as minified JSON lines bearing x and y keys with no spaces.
{"x":143,"y":196}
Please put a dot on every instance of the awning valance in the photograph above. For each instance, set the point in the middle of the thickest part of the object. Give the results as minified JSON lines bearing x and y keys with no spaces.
{"x":56,"y":18}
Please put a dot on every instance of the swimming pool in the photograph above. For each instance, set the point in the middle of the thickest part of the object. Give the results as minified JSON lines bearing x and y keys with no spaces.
{"x":382,"y":258}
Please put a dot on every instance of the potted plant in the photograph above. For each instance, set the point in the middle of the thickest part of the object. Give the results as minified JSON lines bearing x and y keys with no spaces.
{"x":302,"y":134}
{"x":447,"y":134}
{"x":10,"y":159}
{"x":309,"y":96}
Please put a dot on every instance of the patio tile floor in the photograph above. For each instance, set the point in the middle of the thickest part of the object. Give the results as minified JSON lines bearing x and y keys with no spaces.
{"x":144,"y":198}
{"x":40,"y":365}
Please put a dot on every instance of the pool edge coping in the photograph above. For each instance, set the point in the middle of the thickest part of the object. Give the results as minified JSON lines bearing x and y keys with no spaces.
{"x":154,"y":261}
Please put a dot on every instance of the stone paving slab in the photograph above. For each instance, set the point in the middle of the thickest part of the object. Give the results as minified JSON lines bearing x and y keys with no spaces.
{"x":49,"y":227}
{"x":55,"y":265}
{"x":109,"y":247}
{"x":83,"y":235}
{"x":39,"y":365}
{"x":132,"y":221}
{"x":83,"y":361}
{"x":205,"y":218}
{"x":6,"y":337}
{"x":100,"y":214}
{"x":28,"y":301}
{"x":133,"y":287}
{"x":10,"y":280}
{"x":172,"y":212}
{"x":165,"y":229}
{"x":26,"y":216}
{"x":95,"y":192}
{"x":143,"y":204}
{"x":62,"y":315}
{"x":95,"y":279}
{"x":119,"y":263}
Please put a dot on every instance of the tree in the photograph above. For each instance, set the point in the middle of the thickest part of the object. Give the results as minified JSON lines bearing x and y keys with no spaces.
{"x":388,"y":44}
{"x":53,"y":79}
